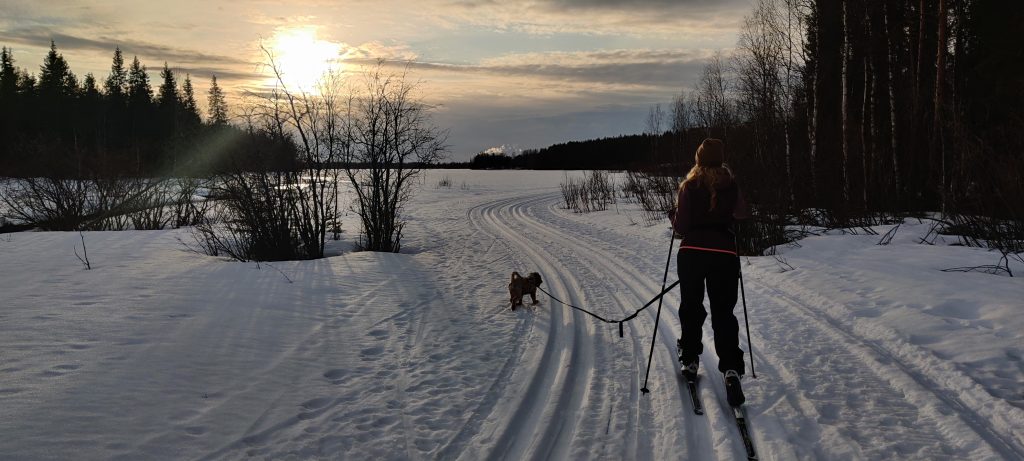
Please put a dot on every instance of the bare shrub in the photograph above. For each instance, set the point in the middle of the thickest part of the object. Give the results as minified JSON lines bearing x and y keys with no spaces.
{"x":389,"y":138}
{"x":988,"y":213}
{"x":602,"y":188}
{"x":283,"y":200}
{"x":593,"y":192}
{"x":189,"y":208}
{"x":48,"y":203}
{"x":110,"y":192}
{"x":762,"y":232}
{"x":149,"y":204}
{"x":654,"y":193}
{"x":131,"y":203}
{"x":1006,"y":236}
{"x":99,"y":203}
{"x":783,"y":263}
{"x":259,"y":218}
{"x":84,"y":257}
{"x":572,"y":191}
{"x":253,"y":219}
{"x":213,"y":238}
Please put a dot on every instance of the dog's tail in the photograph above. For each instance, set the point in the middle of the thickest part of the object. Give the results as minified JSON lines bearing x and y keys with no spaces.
{"x":515,"y":275}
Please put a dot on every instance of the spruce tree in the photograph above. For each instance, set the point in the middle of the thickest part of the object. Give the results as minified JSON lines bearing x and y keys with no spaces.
{"x":140,"y":109}
{"x":188,"y":103}
{"x":55,"y":77}
{"x":26,"y":83}
{"x":89,"y":89}
{"x":91,"y":98}
{"x":218,"y":110}
{"x":168,"y":93}
{"x":89,"y":121}
{"x":8,"y":75}
{"x":117,"y":81}
{"x":54,"y":110}
{"x":9,"y":109}
{"x":168,"y":107}
{"x":140,"y":94}
{"x":116,"y":103}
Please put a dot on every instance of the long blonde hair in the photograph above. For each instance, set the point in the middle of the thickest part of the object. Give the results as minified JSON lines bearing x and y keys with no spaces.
{"x":709,"y":168}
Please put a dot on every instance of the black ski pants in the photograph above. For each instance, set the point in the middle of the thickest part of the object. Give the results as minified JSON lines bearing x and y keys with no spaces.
{"x":720,"y":273}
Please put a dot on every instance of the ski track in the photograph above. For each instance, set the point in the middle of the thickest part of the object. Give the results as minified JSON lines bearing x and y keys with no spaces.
{"x":580,"y":423}
{"x":575,"y":397}
{"x":904,"y":368}
{"x":556,"y":390}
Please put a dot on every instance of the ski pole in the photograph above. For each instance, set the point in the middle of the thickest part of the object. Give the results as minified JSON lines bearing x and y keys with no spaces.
{"x":657,"y":318}
{"x":750,"y":345}
{"x":743,"y":296}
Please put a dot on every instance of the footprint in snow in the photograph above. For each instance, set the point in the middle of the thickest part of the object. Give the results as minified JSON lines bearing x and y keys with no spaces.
{"x":195,"y":430}
{"x":316,"y":403}
{"x":371,"y":353}
{"x":336,"y":376}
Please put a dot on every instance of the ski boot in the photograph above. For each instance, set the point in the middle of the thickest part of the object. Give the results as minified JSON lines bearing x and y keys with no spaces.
{"x":733,"y":391}
{"x":689,"y":367}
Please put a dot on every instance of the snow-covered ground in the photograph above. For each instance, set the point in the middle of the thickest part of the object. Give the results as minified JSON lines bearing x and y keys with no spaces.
{"x":861,"y":351}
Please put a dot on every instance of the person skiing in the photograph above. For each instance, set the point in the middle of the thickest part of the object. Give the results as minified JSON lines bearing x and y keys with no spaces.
{"x":708,"y":202}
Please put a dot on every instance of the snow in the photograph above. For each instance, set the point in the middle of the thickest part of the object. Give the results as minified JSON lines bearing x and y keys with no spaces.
{"x":861,"y":351}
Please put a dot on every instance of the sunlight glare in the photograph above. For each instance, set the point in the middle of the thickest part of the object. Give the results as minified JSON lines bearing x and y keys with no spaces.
{"x":302,"y":58}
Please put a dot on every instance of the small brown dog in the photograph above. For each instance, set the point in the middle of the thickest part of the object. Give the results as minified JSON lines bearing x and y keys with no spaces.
{"x":521,"y":286}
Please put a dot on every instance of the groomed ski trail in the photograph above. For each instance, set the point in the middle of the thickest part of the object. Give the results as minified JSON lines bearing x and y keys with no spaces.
{"x":572,"y":390}
{"x":606,"y":415}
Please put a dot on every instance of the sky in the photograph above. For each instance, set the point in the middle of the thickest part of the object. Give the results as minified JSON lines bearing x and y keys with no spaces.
{"x":515,"y":74}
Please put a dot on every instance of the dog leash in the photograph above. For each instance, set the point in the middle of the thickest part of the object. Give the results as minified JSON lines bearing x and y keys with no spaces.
{"x":576,"y":307}
{"x":620,"y":322}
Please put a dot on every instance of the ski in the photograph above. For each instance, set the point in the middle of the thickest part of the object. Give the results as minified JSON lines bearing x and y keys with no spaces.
{"x":691,"y":385}
{"x":741,"y":423}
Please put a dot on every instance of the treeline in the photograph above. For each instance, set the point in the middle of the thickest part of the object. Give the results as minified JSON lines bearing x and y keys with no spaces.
{"x":56,"y":124}
{"x":626,"y":152}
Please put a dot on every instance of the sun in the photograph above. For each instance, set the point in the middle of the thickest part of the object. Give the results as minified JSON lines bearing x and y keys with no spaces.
{"x":302,"y":57}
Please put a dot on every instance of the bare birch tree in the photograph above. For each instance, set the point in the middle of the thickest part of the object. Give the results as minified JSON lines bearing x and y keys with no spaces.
{"x":388,"y":139}
{"x":712,"y":104}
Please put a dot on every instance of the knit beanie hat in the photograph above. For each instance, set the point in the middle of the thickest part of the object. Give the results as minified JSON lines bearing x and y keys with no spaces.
{"x":710,"y":153}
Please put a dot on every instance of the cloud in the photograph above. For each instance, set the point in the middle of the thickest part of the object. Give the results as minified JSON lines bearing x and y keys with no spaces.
{"x":258,"y":17}
{"x":205,"y":72}
{"x":655,"y":5}
{"x":374,"y":50}
{"x":707,"y":20}
{"x":617,"y":68}
{"x":641,"y":67}
{"x":625,"y":6}
{"x":41,"y":36}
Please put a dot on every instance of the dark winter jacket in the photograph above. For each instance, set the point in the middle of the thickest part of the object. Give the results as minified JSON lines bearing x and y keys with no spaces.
{"x":702,"y":228}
